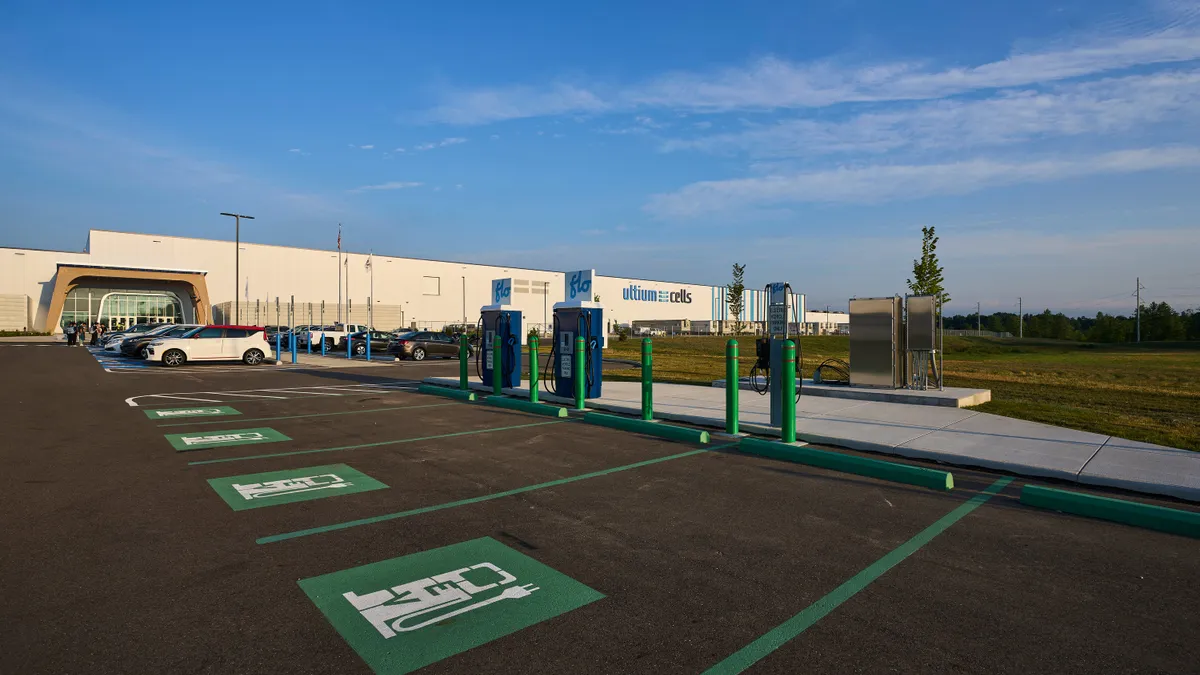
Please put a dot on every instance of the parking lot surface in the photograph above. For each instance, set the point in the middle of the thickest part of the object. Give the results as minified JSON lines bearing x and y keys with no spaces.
{"x":322,"y":520}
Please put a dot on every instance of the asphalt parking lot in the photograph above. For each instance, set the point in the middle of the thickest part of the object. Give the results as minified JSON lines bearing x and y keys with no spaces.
{"x":325,"y":520}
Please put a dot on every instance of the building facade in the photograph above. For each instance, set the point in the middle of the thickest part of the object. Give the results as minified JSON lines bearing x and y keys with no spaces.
{"x":122,"y":278}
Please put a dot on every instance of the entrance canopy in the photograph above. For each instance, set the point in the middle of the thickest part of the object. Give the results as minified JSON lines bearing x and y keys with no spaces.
{"x":186,"y":285}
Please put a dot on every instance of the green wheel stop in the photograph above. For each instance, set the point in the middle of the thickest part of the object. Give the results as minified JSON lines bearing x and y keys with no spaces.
{"x":1149,"y":516}
{"x":667,"y":431}
{"x":526,"y":406}
{"x":435,"y":390}
{"x":862,"y":466}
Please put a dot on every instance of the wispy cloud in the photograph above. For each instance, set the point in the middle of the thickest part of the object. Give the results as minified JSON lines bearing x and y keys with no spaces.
{"x":880,"y":183}
{"x":773,"y":83}
{"x":366,"y":147}
{"x":393,"y":185}
{"x":1101,"y":106}
{"x":439,"y":144}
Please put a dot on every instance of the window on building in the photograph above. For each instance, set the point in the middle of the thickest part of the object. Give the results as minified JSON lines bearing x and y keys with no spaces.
{"x":431,"y":285}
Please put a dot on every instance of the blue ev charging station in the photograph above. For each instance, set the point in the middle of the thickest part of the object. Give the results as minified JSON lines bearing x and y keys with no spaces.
{"x":500,"y":318}
{"x":577,"y":316}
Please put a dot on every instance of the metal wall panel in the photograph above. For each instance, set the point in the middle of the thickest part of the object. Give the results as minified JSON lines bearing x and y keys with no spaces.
{"x":875,"y":331}
{"x":922,"y":333}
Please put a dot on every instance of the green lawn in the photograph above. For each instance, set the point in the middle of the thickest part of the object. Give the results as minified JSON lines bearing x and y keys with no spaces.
{"x":1148,"y":392}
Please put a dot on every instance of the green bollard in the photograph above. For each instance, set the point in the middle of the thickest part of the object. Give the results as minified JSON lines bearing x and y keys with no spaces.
{"x":789,"y":392}
{"x":496,"y":365}
{"x":580,"y":374}
{"x":647,"y":380}
{"x":732,"y":386}
{"x":464,"y":351}
{"x":533,"y":369}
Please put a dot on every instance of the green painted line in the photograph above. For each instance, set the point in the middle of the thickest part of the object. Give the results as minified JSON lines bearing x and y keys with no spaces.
{"x":202,"y":440}
{"x":376,"y":444}
{"x":177,"y":413}
{"x":786,"y":631}
{"x":434,"y":390}
{"x":648,"y":427}
{"x":1149,"y":516}
{"x":475,"y":500}
{"x":403,"y":614}
{"x":526,"y":406}
{"x":862,"y":466}
{"x":255,"y":490}
{"x":324,"y":414}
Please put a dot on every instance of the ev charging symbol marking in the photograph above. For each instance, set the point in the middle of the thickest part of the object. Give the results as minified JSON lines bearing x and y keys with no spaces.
{"x":424,"y":602}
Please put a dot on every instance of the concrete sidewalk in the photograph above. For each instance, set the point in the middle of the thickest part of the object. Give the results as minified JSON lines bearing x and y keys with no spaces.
{"x":950,"y":435}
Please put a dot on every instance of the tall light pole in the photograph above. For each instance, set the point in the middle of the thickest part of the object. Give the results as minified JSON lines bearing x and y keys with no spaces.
{"x":237,"y":250}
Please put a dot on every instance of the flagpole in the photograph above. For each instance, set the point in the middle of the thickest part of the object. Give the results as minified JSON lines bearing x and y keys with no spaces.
{"x":339,"y":312}
{"x":371,"y":298}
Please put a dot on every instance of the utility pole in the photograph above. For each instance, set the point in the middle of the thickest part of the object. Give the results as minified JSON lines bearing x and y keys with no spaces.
{"x":978,"y":321}
{"x":1138,"y":293}
{"x":1020,"y":319}
{"x":237,"y":249}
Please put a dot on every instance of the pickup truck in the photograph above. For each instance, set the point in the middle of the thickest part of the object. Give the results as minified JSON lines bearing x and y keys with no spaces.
{"x":333,"y":334}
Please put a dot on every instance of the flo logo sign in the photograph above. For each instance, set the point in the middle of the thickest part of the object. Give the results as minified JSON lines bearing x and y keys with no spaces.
{"x":406,"y":613}
{"x":216,"y":439}
{"x":256,"y":490}
{"x":177,"y":413}
{"x":579,"y":285}
{"x":502,"y":291}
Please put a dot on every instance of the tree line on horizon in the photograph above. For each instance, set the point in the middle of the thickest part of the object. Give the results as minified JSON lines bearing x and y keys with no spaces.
{"x":1160,"y":322}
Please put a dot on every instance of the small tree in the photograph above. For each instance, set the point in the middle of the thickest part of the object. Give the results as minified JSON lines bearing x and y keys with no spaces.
{"x":927,"y":276}
{"x":733,"y":296}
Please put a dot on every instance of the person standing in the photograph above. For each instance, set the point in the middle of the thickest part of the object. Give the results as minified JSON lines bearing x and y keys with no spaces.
{"x":95,"y":334}
{"x":70,"y":331}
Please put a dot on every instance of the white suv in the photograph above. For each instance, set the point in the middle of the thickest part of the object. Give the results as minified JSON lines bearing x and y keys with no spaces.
{"x":212,"y":343}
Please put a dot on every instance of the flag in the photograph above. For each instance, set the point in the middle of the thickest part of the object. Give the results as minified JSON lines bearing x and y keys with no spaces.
{"x":339,"y":236}
{"x":368,"y":265}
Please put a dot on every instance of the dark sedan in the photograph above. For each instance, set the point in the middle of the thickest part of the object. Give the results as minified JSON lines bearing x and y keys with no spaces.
{"x":136,"y":345}
{"x":417,"y":345}
{"x":358,"y":342}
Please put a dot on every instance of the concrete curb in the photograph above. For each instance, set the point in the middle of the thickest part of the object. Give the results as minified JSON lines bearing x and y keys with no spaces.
{"x":1149,"y":516}
{"x":446,"y":391}
{"x":862,"y":466}
{"x":667,"y":431}
{"x":526,"y":406}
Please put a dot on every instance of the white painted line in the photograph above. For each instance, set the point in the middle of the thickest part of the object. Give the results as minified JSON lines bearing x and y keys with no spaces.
{"x":185,"y":398}
{"x":230,"y":393}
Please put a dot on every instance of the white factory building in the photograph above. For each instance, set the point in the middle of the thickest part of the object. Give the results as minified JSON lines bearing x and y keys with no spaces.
{"x":121,"y":278}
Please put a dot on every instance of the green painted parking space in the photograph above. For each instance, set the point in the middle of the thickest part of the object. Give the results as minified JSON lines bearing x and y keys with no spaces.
{"x":181,"y":413}
{"x":201,"y":440}
{"x":270,"y":488}
{"x":408,"y":612}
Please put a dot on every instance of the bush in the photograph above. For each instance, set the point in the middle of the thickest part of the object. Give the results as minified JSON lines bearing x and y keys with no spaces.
{"x":21,"y":333}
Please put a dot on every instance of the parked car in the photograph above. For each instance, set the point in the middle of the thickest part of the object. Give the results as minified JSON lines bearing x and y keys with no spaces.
{"x":136,"y":345}
{"x":417,"y":345}
{"x":358,"y":342}
{"x":212,"y":343}
{"x":112,"y":341}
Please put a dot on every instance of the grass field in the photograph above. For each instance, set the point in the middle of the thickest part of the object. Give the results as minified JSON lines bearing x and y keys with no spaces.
{"x":1148,"y":392}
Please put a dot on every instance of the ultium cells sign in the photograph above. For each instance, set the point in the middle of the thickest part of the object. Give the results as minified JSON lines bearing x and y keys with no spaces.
{"x":635,"y":292}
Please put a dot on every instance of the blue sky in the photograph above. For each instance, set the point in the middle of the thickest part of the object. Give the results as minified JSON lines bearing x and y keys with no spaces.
{"x":1055,"y":146}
